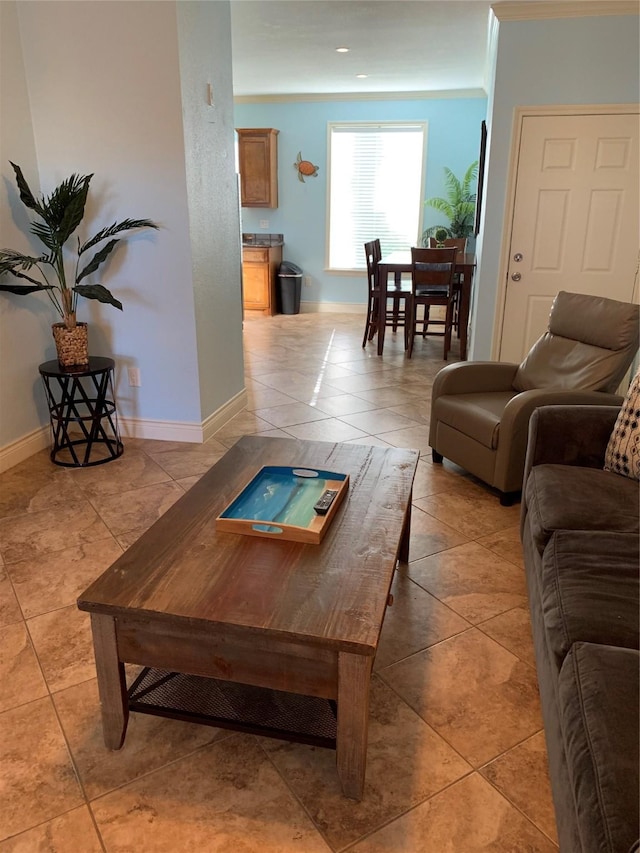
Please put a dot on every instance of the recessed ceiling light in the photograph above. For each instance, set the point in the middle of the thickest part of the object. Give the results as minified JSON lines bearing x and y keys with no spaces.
{"x":342,"y":50}
{"x":362,"y":76}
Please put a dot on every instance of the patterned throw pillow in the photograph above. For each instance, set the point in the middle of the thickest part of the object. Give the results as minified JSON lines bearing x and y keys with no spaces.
{"x":623,"y":451}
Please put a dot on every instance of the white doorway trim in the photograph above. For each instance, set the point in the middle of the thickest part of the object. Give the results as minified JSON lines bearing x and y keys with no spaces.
{"x":519,"y":114}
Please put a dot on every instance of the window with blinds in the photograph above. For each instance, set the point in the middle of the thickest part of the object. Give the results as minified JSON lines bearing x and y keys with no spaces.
{"x":375,"y":188}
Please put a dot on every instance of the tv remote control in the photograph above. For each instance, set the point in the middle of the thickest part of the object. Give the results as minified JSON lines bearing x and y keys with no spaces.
{"x":325,"y":501}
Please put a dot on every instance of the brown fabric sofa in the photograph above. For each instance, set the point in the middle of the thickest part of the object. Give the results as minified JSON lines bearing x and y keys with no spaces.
{"x":580,"y":533}
{"x":480,"y":410}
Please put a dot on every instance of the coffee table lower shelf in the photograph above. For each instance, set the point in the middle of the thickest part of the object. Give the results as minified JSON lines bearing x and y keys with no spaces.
{"x":230,"y":705}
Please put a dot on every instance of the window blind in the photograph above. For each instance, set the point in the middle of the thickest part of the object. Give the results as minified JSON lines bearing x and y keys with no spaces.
{"x":375,"y":188}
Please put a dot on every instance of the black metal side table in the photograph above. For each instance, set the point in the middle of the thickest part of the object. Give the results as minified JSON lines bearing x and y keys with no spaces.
{"x":82,"y":410}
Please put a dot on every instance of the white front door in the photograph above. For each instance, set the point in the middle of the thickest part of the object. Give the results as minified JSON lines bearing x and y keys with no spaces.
{"x":575,"y":219}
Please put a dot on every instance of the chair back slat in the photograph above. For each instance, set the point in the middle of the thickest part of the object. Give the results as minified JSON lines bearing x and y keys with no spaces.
{"x":432,"y":270}
{"x":373,"y":253}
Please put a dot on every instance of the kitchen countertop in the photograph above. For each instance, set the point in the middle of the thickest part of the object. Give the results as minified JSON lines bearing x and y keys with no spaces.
{"x":262,"y":240}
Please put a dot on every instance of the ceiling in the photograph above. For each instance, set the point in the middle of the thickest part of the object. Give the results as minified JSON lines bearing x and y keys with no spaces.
{"x":288,"y":47}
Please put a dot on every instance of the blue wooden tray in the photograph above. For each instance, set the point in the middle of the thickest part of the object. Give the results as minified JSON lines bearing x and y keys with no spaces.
{"x":279,"y":501}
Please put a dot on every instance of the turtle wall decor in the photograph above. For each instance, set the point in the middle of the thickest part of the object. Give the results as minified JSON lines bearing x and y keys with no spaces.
{"x":305,"y":167}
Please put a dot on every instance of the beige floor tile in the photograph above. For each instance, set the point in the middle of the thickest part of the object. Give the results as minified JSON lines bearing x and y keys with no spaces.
{"x":330,"y":429}
{"x":290,"y":414}
{"x":33,"y":791}
{"x":35,"y":534}
{"x":73,"y":832}
{"x":20,"y":675}
{"x":415,"y":621}
{"x":130,"y":471}
{"x":385,"y":398}
{"x":63,"y":644}
{"x":513,"y":631}
{"x":364,"y":382}
{"x":505,"y":543}
{"x":226,"y":797}
{"x":482,"y":699}
{"x":469,"y":817}
{"x":406,"y":763}
{"x":43,"y":585}
{"x":471,"y":580}
{"x":432,"y":479}
{"x":150,"y":743}
{"x":371,"y":440}
{"x":264,"y":397}
{"x":475,"y":514}
{"x":522,"y":776}
{"x":9,"y":608}
{"x":412,"y":436}
{"x":378,"y":422}
{"x":246,"y":423}
{"x":429,"y":536}
{"x":418,"y":410}
{"x":34,"y":485}
{"x":343,"y":404}
{"x":139,"y":508}
{"x":189,"y":459}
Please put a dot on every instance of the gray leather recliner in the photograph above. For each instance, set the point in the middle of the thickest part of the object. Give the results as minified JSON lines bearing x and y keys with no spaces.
{"x":480,"y":410}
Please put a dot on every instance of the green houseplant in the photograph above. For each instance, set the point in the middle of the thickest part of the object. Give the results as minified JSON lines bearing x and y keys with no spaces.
{"x":60,"y":214}
{"x":459,"y":205}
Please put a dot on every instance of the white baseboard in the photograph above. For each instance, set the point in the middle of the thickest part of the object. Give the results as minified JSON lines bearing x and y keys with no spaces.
{"x":40,"y":439}
{"x":333,"y":308}
{"x":23,"y":448}
{"x":218,"y":419}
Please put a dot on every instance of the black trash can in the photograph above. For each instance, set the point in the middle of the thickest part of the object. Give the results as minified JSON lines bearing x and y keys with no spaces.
{"x":289,"y":287}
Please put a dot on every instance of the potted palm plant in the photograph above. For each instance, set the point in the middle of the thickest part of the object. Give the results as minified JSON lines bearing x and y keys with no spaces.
{"x":60,"y":214}
{"x":459,"y":205}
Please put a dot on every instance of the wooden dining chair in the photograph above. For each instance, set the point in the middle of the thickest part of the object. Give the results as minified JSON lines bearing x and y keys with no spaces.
{"x":459,"y":243}
{"x":398,"y":314}
{"x":432,"y":272}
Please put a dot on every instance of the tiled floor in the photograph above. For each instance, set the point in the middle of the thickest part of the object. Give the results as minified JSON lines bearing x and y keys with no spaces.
{"x":456,"y":758}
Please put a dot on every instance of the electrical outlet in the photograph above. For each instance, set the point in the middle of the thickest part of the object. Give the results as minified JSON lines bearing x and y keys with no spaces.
{"x":134,"y":377}
{"x":264,"y":223}
{"x":307,"y":281}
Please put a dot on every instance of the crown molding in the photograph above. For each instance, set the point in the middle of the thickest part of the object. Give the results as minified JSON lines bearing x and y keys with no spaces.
{"x":361,"y":96}
{"x":525,"y":10}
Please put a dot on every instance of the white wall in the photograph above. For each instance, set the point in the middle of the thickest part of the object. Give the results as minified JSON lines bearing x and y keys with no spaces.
{"x":105,"y":97}
{"x":592,"y":60}
{"x":212,"y":187}
{"x":25,"y":333}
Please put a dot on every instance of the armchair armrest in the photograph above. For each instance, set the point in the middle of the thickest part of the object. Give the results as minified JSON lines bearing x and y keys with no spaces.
{"x":469,"y":376}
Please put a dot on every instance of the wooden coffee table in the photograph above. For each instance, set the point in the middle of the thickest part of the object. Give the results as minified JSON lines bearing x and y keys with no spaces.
{"x":281,"y":620}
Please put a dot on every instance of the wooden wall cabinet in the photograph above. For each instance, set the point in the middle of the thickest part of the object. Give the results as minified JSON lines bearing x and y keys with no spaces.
{"x":258,"y":162}
{"x":260,"y":278}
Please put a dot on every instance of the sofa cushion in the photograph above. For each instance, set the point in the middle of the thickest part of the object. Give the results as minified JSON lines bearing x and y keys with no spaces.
{"x":622,"y":455}
{"x":477,"y":415}
{"x":590,"y":590}
{"x":598,"y":705}
{"x":569,"y":497}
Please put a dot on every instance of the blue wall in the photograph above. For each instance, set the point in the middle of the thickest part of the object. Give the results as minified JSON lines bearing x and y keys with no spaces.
{"x":453,"y":139}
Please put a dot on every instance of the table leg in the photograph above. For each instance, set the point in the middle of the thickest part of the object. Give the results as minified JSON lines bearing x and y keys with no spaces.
{"x":354,"y":678}
{"x":112,"y":686}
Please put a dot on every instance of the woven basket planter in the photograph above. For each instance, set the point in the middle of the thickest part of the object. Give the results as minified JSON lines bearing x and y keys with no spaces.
{"x":71,"y":344}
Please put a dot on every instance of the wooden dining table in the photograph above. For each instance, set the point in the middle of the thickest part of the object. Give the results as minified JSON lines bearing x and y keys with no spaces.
{"x":400,"y":262}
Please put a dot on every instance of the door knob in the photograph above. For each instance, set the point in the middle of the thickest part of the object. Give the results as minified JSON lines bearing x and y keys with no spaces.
{"x":516,"y":276}
{"x":517,"y":257}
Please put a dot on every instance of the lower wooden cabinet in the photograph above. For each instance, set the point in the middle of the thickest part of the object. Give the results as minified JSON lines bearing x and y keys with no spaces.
{"x":260,"y":278}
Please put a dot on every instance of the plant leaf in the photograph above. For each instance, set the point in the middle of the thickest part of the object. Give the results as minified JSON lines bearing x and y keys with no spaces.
{"x":26,"y":196}
{"x":116,"y":228}
{"x":97,"y":259}
{"x":23,"y":289}
{"x":97,"y":291}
